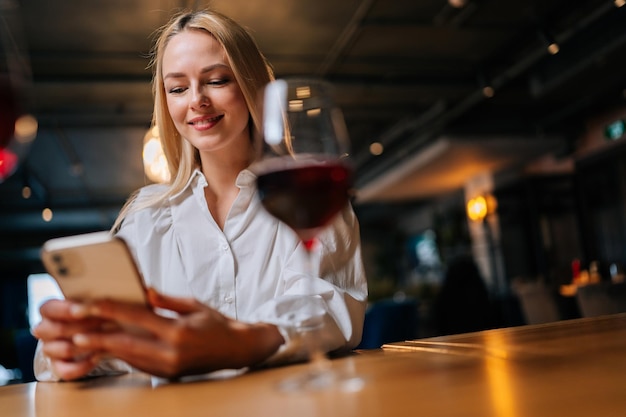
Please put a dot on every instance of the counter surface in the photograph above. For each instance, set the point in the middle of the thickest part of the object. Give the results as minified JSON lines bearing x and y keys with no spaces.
{"x":569,"y":368}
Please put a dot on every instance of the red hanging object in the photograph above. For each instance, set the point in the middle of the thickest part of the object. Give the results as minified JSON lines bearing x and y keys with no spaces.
{"x":18,"y":129}
{"x":8,"y":163}
{"x":12,"y":147}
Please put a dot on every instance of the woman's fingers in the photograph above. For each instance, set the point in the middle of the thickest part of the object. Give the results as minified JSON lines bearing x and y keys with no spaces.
{"x":57,"y":310}
{"x":66,"y":351}
{"x":134,"y":318}
{"x":48,"y":329}
{"x":177,"y":304}
{"x":149,"y":355}
{"x":69,"y":370}
{"x":199,"y":340}
{"x":140,"y":317}
{"x":69,"y":361}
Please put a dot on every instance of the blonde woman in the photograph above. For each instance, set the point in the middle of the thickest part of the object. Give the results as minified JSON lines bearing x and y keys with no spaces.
{"x":225,"y":278}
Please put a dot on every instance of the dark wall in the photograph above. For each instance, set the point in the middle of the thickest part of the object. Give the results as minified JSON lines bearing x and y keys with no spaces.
{"x":540,"y":227}
{"x":601,"y":185}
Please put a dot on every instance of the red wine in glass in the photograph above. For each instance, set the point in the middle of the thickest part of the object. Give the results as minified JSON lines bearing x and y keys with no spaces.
{"x":306,"y":197}
{"x":304,"y":180}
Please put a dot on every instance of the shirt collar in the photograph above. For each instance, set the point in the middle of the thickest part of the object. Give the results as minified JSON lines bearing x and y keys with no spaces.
{"x":246,"y":178}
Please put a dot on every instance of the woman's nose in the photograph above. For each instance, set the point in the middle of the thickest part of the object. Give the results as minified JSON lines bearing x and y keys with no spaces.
{"x":199,"y":98}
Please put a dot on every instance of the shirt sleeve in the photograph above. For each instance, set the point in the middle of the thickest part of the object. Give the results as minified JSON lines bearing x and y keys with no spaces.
{"x":336,"y":282}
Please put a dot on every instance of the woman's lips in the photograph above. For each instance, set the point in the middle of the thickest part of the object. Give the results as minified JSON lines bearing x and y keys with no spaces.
{"x":204,"y":123}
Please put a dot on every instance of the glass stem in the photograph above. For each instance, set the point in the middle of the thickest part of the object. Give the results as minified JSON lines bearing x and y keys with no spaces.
{"x":313,"y":337}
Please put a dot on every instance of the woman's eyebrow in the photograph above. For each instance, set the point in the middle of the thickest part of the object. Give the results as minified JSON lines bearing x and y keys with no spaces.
{"x":202,"y":71}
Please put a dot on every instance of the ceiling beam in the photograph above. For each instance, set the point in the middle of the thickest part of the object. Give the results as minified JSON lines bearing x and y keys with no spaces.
{"x":406,"y":144}
{"x":583,"y":50}
{"x":346,"y":38}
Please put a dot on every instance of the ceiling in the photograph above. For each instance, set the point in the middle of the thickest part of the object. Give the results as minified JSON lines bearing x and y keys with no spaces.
{"x":408,"y":74}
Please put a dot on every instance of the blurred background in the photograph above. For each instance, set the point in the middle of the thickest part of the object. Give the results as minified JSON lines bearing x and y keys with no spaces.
{"x":487,"y":137}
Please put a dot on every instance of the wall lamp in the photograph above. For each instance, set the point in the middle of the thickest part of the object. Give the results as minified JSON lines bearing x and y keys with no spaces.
{"x":154,"y":161}
{"x":478,"y":208}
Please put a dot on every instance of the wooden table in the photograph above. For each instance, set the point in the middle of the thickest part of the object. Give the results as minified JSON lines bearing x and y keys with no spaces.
{"x":570,"y":368}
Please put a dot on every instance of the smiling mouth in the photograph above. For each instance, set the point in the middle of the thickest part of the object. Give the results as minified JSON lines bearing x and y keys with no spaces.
{"x":206,"y":122}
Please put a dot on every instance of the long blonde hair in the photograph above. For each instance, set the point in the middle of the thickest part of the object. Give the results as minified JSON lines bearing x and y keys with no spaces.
{"x":251,"y":71}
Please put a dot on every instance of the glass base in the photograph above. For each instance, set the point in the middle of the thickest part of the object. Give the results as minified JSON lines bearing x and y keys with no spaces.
{"x":307,"y":381}
{"x":320,"y":376}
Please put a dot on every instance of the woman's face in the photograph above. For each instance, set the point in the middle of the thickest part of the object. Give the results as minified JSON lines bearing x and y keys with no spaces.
{"x":203,"y":97}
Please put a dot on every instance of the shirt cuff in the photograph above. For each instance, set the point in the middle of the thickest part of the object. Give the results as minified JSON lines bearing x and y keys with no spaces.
{"x":290,"y":351}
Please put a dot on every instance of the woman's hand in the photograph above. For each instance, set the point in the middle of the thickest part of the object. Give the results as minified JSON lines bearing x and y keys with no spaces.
{"x":61,"y":321}
{"x":199,"y":340}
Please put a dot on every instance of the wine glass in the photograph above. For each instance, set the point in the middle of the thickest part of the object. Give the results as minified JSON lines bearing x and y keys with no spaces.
{"x":304,"y":179}
{"x":17,"y":127}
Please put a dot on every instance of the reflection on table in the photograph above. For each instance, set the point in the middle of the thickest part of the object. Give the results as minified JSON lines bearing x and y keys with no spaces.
{"x":569,"y":368}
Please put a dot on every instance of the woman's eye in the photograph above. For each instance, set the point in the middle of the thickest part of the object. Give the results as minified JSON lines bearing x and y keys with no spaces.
{"x":218,"y":82}
{"x":176,"y":90}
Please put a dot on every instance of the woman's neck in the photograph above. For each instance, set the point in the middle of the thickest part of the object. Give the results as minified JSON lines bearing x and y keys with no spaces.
{"x":221,"y":171}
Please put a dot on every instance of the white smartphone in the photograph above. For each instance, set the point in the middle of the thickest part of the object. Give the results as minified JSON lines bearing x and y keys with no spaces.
{"x":94,"y":266}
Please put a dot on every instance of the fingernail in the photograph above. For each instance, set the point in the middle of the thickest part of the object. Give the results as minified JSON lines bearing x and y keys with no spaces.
{"x":80,"y":340}
{"x":79,"y":311}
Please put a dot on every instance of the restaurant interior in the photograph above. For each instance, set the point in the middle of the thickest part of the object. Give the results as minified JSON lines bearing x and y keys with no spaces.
{"x":487,"y":140}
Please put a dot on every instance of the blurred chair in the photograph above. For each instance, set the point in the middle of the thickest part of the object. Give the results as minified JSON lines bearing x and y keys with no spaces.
{"x":538,"y":302}
{"x":390,"y":320}
{"x":601,"y":299}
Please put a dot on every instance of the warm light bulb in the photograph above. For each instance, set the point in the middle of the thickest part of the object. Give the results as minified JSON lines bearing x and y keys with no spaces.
{"x":620,"y":3}
{"x":457,"y":3}
{"x":26,"y":128}
{"x":477,"y":208}
{"x":376,"y":148}
{"x":553,"y":48}
{"x":154,"y":160}
{"x":46,"y":215}
{"x":488,"y":91}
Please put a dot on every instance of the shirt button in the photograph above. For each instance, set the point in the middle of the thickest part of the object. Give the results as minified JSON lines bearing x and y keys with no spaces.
{"x":224,"y":247}
{"x":228,"y":299}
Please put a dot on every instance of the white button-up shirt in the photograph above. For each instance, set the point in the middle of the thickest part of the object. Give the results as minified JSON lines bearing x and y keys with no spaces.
{"x":255,"y":269}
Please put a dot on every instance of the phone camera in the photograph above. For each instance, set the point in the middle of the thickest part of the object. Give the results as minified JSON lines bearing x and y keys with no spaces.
{"x":62,"y":270}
